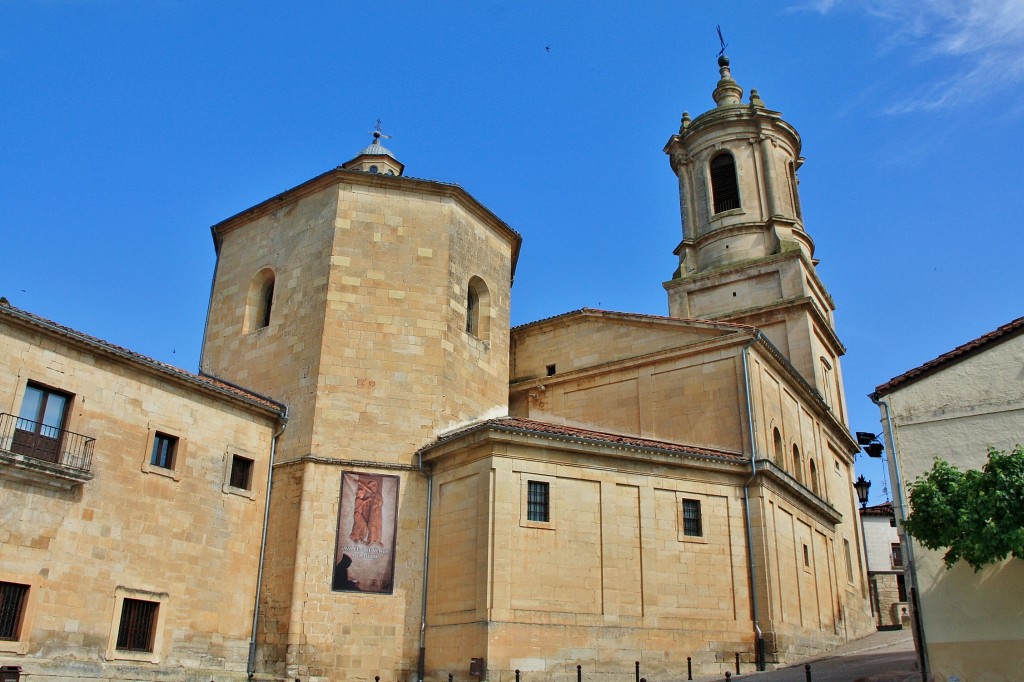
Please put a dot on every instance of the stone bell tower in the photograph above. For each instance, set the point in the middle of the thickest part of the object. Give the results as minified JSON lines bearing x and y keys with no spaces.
{"x":745,"y":255}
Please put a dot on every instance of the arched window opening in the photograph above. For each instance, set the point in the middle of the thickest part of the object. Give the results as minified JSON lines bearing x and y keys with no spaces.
{"x":260,"y":301}
{"x":793,"y":185}
{"x":478,"y":309}
{"x":266,"y":303}
{"x":797,"y":465}
{"x":779,"y":454}
{"x":813,"y":476}
{"x":725,"y":190}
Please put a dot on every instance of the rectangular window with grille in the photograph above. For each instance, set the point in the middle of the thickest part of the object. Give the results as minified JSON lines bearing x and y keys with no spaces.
{"x":538,"y":506}
{"x":138,"y":625}
{"x":692,"y":525}
{"x":241,"y":472}
{"x":164,"y":447}
{"x":897,"y":555}
{"x":12,"y":607}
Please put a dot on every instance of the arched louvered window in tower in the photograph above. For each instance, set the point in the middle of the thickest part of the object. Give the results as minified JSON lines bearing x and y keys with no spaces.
{"x":725,"y":190}
{"x":259,"y":301}
{"x":478,"y":309}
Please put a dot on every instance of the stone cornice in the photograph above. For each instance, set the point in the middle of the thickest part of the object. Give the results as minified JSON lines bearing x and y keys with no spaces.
{"x":341,"y":175}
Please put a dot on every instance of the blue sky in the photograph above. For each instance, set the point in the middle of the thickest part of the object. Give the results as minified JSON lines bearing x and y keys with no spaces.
{"x":127,"y":128}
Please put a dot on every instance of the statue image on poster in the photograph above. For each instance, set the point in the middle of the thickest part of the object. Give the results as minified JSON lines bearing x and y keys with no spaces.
{"x":364,"y":556}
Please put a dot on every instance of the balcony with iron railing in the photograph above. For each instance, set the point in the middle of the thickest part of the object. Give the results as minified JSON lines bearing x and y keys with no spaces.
{"x":38,"y":454}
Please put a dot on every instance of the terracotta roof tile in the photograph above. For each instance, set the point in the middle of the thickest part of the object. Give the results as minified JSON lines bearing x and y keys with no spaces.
{"x":883,"y":509}
{"x":218,"y":385}
{"x":532,"y":426}
{"x":597,"y":312}
{"x":995,"y":336}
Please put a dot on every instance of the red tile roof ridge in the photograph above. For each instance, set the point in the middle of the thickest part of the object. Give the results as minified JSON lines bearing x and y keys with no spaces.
{"x":641,"y":316}
{"x":204,"y":379}
{"x":996,"y":335}
{"x":524,"y":425}
{"x":883,"y":509}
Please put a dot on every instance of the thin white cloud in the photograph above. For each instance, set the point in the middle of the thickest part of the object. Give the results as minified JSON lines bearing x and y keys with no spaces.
{"x":978,"y":45}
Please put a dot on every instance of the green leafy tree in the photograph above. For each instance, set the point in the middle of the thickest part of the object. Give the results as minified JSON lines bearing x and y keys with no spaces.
{"x":977,"y":516}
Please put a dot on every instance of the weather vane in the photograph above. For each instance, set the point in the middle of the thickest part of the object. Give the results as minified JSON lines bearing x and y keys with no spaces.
{"x":378,"y":132}
{"x":721,"y":41}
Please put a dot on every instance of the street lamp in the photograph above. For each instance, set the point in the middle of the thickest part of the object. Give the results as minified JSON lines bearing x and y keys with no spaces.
{"x":870,"y":444}
{"x":862,"y":487}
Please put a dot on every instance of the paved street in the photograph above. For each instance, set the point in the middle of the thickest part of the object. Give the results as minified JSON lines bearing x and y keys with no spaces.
{"x":880,"y":657}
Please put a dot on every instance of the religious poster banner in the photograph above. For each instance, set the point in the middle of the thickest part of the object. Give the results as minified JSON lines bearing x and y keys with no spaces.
{"x":364,"y":555}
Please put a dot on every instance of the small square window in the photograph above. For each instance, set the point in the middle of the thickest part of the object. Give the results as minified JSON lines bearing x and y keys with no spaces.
{"x":692,"y":523}
{"x":538,"y":506}
{"x":241,"y":472}
{"x":138,"y":625}
{"x":13,"y":597}
{"x":164,"y":449}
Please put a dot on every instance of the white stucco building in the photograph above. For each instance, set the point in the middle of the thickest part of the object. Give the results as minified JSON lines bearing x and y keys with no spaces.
{"x":884,"y":555}
{"x":956,"y":407}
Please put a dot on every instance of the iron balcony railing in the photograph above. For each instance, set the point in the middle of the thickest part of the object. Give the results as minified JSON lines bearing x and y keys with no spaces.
{"x":45,"y":443}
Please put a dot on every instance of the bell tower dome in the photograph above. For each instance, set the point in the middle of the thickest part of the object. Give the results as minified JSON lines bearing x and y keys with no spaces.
{"x":745,"y":255}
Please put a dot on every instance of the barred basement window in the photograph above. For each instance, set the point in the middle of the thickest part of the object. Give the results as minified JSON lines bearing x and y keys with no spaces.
{"x":164,"y":448}
{"x":724,"y":188}
{"x":538,"y":506}
{"x":692,"y":525}
{"x":12,"y":608}
{"x":138,"y":624}
{"x":241,"y":472}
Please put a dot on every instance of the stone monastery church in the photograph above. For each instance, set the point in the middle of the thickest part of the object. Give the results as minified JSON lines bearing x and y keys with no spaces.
{"x":371,"y":474}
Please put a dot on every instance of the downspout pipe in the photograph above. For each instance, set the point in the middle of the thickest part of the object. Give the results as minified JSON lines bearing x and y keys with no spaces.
{"x":251,"y":664}
{"x":909,"y":569}
{"x":759,"y":645}
{"x":422,"y":661}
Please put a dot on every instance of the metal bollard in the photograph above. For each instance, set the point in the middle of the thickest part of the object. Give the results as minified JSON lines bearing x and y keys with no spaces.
{"x":728,"y":676}
{"x":807,"y":671}
{"x":638,"y":671}
{"x":517,"y":675}
{"x":579,"y":673}
{"x":737,"y":663}
{"x":450,"y":676}
{"x":689,"y":669}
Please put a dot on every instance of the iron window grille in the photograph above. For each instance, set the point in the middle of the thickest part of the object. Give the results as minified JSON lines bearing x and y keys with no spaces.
{"x":538,"y":501}
{"x":12,"y":607}
{"x":692,"y":525}
{"x":138,"y":623}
